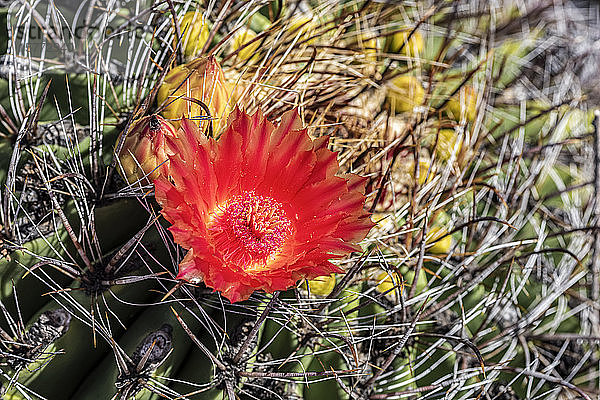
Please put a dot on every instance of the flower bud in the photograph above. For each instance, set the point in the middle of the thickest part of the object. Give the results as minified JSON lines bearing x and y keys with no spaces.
{"x":194,"y":32}
{"x":402,"y":280}
{"x":426,"y":173}
{"x":146,"y":149}
{"x":259,"y":23}
{"x":440,"y":243}
{"x":387,"y":282}
{"x":447,"y":144}
{"x":400,"y":43}
{"x":384,"y":222}
{"x":405,"y":93}
{"x":464,"y":103}
{"x":240,"y":41}
{"x":321,"y":285}
{"x":201,"y":79}
{"x":366,"y":48}
{"x":302,"y":26}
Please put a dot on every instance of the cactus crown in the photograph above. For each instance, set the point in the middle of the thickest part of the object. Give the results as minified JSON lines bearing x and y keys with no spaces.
{"x":298,"y":199}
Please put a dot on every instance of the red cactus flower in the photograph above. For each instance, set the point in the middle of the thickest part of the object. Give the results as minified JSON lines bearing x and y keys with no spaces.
{"x":260,"y":208}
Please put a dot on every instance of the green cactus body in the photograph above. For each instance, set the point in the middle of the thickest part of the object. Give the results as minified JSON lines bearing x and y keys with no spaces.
{"x":198,"y":368}
{"x":492,"y":101}
{"x":80,"y":354}
{"x":149,"y":320}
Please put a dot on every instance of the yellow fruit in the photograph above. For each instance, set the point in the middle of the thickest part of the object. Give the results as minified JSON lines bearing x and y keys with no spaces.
{"x":240,"y":38}
{"x":302,"y":25}
{"x":194,"y":32}
{"x":425,"y":172}
{"x":438,"y":246}
{"x":371,"y":49}
{"x":383,"y":221}
{"x":365,"y":47}
{"x":387,"y":282}
{"x":463,"y":104}
{"x":321,"y":285}
{"x":447,"y":144}
{"x":400,"y":43}
{"x":201,"y":79}
{"x":405,"y":93}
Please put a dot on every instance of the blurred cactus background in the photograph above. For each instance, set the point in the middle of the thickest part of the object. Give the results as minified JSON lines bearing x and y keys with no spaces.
{"x":473,"y":122}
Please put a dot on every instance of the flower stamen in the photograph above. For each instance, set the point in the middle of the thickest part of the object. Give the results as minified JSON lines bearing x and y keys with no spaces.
{"x":250,"y":230}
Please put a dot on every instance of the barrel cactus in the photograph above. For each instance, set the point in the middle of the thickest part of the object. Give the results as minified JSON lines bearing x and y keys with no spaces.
{"x":298,"y":199}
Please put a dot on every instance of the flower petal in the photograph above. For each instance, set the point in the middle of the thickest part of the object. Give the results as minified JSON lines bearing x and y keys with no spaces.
{"x":260,"y":208}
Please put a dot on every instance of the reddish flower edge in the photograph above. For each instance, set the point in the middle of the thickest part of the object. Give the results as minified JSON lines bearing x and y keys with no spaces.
{"x":256,"y":159}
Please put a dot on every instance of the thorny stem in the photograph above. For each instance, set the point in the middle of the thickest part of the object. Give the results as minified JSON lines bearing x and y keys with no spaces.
{"x":66,"y":223}
{"x":216,"y":27}
{"x":30,"y":127}
{"x":179,"y":47}
{"x":131,"y":279}
{"x":596,"y":255}
{"x":564,"y":336}
{"x":466,"y":342}
{"x":230,"y":390}
{"x":8,"y":123}
{"x":549,"y":378}
{"x":304,"y":374}
{"x":63,"y":267}
{"x":397,"y":349}
{"x":255,"y":328}
{"x":14,"y":326}
{"x":198,"y":343}
{"x":127,"y":246}
{"x":144,"y":359}
{"x":96,"y":134}
{"x":413,"y":286}
{"x":121,"y":357}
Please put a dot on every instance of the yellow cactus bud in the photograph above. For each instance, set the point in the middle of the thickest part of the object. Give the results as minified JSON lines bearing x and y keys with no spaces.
{"x":201,"y":79}
{"x":146,"y":149}
{"x":387,"y":282}
{"x":447,"y":144}
{"x":194,"y":32}
{"x":405,"y":93}
{"x":384,"y":222}
{"x":400,"y":43}
{"x":439,"y":246}
{"x":321,"y":285}
{"x":302,"y":22}
{"x":371,"y":49}
{"x":366,"y":48}
{"x":425,"y":172}
{"x":464,"y":103}
{"x":239,"y":40}
{"x":301,"y":25}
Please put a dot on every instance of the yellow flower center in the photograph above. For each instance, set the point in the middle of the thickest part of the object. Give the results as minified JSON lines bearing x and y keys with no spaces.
{"x":250,"y":230}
